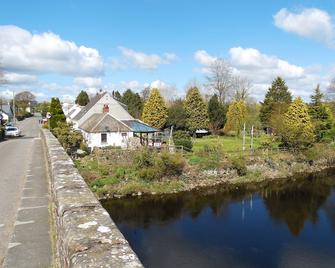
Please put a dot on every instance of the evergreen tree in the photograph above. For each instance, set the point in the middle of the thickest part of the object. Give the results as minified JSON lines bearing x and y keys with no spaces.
{"x":298,"y":127}
{"x":155,"y":111}
{"x":277,"y":98}
{"x":133,"y":102}
{"x":196,"y":110}
{"x":82,"y":98}
{"x":177,"y":115}
{"x":57,"y":115}
{"x":216,"y":113}
{"x":321,"y":115}
{"x":117,"y":95}
{"x":236,"y":117}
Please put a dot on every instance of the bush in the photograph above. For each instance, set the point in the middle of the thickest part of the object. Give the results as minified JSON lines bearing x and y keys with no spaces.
{"x":240,"y":165}
{"x":151,"y":165}
{"x":183,"y":138}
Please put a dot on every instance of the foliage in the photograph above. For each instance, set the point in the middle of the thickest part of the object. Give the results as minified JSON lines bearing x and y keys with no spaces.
{"x":151,"y":165}
{"x":182,"y":138}
{"x":298,"y":128}
{"x":57,"y":114}
{"x":43,"y":108}
{"x":277,"y":98}
{"x":196,"y":110}
{"x":236,"y":117}
{"x":177,"y":115}
{"x":82,"y":99}
{"x":155,"y":111}
{"x":69,"y":138}
{"x":240,"y":165}
{"x":216,"y":113}
{"x":321,"y":115}
{"x":116,"y":95}
{"x":134,"y":103}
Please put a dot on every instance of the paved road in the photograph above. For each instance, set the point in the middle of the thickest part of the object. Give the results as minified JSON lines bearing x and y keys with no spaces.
{"x":24,"y":199}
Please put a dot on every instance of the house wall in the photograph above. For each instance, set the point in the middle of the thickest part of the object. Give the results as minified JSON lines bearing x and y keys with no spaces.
{"x":113,"y":139}
{"x":5,"y":117}
{"x":115,"y":109}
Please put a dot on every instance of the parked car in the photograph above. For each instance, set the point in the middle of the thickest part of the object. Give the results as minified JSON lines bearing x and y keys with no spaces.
{"x":12,"y":132}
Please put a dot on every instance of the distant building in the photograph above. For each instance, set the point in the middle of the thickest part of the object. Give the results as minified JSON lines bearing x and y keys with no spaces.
{"x":6,"y":112}
{"x":105,"y":121}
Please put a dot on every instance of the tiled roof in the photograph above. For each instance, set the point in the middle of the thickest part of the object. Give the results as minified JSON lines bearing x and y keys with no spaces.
{"x":103,"y":122}
{"x":92,"y":102}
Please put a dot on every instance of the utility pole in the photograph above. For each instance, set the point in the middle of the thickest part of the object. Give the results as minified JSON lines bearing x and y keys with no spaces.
{"x":243,"y":137}
{"x":252,"y":138}
{"x":14,"y":108}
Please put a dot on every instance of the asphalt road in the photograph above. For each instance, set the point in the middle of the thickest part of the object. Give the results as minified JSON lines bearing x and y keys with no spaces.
{"x":24,"y":199}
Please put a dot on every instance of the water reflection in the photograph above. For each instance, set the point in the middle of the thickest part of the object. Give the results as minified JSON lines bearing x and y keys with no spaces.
{"x":248,"y":226}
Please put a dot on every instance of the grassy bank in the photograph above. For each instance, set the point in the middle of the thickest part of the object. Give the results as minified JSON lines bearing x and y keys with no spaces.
{"x":112,"y":172}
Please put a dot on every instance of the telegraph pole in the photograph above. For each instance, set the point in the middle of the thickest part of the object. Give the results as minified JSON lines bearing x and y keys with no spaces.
{"x":243,"y":138}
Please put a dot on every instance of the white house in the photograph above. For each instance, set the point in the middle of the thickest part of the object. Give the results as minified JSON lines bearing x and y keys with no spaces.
{"x":105,"y":121}
{"x":6,"y":112}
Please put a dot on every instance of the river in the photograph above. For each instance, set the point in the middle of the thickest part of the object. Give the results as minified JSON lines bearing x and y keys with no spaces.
{"x":287,"y":223}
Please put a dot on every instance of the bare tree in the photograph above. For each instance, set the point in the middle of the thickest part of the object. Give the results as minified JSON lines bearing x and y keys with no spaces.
{"x":220,"y":79}
{"x":241,"y":87}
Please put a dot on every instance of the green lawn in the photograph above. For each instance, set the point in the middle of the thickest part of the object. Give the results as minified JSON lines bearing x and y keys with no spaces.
{"x":227,"y":143}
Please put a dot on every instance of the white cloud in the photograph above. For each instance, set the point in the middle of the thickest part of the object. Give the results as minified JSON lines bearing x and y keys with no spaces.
{"x":140,"y":60}
{"x":88,"y":82}
{"x":202,"y":57}
{"x":312,"y":23}
{"x":262,"y":67}
{"x":43,"y":53}
{"x":16,"y":78}
{"x":168,"y":91}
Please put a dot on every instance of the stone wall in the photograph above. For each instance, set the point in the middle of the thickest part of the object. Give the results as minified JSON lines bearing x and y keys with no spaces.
{"x":86,"y":235}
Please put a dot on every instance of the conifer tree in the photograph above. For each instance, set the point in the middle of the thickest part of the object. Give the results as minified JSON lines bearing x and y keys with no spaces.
{"x":82,"y":98}
{"x":155,"y":111}
{"x":177,"y":115}
{"x":133,"y":102}
{"x":57,"y":114}
{"x":216,"y":113}
{"x":298,"y":127}
{"x":236,"y":116}
{"x":196,"y":110}
{"x":321,"y":115}
{"x":277,"y":100}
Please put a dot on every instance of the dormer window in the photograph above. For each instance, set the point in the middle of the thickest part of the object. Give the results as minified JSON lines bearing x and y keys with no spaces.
{"x":105,"y":109}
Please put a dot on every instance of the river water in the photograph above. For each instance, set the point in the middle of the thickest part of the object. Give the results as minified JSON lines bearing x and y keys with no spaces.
{"x":290,"y":223}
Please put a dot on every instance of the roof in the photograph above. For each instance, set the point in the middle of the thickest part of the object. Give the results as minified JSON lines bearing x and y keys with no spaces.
{"x":103,"y":123}
{"x":138,"y":126}
{"x":7,"y":110}
{"x":92,"y":102}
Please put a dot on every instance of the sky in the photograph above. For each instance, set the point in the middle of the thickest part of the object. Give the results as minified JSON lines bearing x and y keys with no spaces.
{"x":57,"y":48}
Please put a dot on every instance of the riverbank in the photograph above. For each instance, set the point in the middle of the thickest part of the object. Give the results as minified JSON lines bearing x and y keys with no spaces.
{"x":112,"y":173}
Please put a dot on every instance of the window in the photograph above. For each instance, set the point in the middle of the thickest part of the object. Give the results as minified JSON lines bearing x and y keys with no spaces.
{"x":103,"y":138}
{"x":124,"y":135}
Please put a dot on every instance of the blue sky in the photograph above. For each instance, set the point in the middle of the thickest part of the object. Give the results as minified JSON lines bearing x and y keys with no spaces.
{"x":56,"y":48}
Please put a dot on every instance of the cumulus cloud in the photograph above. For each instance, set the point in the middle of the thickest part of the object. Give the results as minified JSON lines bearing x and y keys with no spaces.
{"x":141,"y":60}
{"x":202,"y":57}
{"x":44,"y":53}
{"x":88,"y":82}
{"x":261,"y":69}
{"x":15,"y":78}
{"x":311,"y":23}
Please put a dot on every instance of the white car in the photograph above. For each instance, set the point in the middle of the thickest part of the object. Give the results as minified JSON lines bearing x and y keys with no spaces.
{"x":12,"y":131}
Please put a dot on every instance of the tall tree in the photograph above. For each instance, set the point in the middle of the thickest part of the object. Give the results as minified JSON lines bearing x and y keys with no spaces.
{"x":277,"y":98}
{"x":236,"y":117}
{"x":216,"y":113}
{"x":82,"y":98}
{"x":241,"y":87}
{"x":177,"y":115}
{"x":196,"y":110}
{"x":321,"y":115}
{"x":117,"y":95}
{"x":133,"y":102}
{"x":220,"y":79}
{"x":57,"y":114}
{"x":298,"y":128}
{"x":155,"y":111}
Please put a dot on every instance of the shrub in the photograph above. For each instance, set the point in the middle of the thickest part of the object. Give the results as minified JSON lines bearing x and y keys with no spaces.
{"x":240,"y":165}
{"x":183,"y":138}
